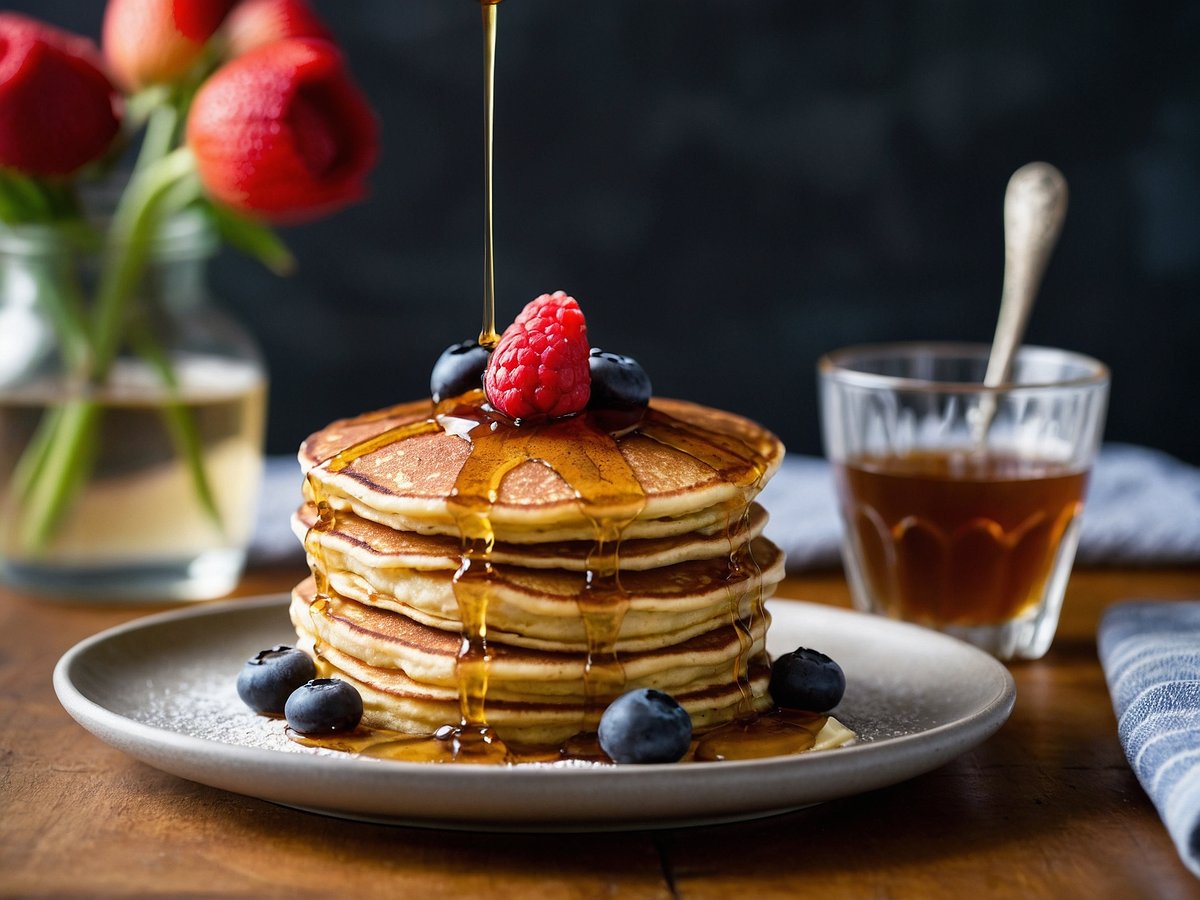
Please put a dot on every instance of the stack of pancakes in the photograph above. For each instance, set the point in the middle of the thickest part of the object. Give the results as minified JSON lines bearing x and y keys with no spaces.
{"x":608,"y":563}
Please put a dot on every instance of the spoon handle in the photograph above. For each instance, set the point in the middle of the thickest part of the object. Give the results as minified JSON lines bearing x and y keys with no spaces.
{"x":1035,"y":205}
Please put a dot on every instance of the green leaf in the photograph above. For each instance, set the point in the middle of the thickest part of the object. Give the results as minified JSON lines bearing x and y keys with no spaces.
{"x":25,"y":200}
{"x":66,"y":459}
{"x":254,"y":239}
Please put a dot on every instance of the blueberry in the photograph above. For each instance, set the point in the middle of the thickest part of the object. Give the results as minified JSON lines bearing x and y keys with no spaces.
{"x":267,"y":680}
{"x":324,"y":705}
{"x":459,"y":369}
{"x":645,"y":726}
{"x":618,"y":382}
{"x":806,"y":679}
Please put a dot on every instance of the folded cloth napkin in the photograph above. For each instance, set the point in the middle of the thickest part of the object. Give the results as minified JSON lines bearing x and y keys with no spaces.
{"x":1143,"y":508}
{"x":1150,"y":652}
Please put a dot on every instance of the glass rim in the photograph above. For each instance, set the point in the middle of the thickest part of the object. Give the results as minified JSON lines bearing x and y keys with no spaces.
{"x":836,"y":365}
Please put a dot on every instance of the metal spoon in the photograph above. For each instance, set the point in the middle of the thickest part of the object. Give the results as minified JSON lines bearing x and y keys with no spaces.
{"x":1035,"y":205}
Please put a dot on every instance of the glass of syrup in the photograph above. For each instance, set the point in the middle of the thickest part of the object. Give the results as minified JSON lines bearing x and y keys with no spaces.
{"x":961,"y":503}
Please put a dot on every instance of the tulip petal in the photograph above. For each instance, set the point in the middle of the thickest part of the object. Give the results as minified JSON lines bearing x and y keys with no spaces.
{"x":198,"y":20}
{"x":282,"y":132}
{"x":313,"y":129}
{"x":256,"y":22}
{"x":58,"y":110}
{"x":158,"y":41}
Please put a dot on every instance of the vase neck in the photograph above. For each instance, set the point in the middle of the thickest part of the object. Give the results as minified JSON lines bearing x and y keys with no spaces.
{"x":33,"y":256}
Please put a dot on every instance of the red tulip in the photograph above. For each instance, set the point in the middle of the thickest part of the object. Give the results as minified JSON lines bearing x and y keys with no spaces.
{"x":256,"y":22}
{"x":57,"y":107}
{"x":157,"y":41}
{"x":282,"y":132}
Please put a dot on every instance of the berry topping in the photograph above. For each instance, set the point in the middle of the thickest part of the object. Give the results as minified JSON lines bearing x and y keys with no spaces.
{"x":267,"y":680}
{"x":619,"y":384}
{"x":808,"y":680}
{"x":645,"y":726}
{"x":324,"y":705}
{"x":539,"y":369}
{"x":459,"y":369}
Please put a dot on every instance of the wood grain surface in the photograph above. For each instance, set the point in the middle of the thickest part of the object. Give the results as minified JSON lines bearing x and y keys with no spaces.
{"x":1047,"y":807}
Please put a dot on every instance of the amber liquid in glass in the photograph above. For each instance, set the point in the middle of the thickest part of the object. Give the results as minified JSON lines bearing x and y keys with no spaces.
{"x":961,"y":539}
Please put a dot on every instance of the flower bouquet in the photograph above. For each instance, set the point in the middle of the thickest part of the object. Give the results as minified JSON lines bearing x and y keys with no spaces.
{"x":217,"y":120}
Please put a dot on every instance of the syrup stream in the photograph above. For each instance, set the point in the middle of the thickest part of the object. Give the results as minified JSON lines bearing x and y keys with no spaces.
{"x":487,"y":335}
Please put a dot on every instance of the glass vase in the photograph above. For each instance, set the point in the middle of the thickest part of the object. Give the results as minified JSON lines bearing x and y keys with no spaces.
{"x":140,"y":484}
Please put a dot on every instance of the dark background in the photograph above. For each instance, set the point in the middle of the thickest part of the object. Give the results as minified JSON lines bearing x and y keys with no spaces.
{"x":732,"y":188}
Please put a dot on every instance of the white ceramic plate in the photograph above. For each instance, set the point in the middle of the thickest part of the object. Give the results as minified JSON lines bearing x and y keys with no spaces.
{"x":162,"y":689}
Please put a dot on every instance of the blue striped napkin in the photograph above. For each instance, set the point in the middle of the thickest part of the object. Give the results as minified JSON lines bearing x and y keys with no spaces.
{"x":1150,"y":652}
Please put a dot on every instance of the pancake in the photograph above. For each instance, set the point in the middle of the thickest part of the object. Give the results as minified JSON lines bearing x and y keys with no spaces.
{"x":407,"y":673}
{"x":380,"y":547}
{"x":388,"y":703}
{"x":541,"y":608}
{"x":384,"y":639}
{"x":696,"y":467}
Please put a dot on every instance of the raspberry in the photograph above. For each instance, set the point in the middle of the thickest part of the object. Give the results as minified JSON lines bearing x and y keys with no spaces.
{"x":540,"y":367}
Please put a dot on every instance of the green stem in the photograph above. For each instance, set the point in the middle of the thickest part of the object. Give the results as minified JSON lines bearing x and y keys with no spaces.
{"x":62,"y":472}
{"x":64,"y":302}
{"x":159,"y":137}
{"x":140,"y":105}
{"x":180,"y":424}
{"x":56,"y":287}
{"x":32,"y":463}
{"x":134,"y":222}
{"x":24,"y":200}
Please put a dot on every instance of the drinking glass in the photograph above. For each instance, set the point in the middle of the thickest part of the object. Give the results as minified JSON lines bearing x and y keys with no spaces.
{"x":961,"y":503}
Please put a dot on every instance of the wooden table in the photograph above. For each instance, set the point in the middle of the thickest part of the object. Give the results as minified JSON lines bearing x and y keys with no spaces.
{"x":1047,"y":807}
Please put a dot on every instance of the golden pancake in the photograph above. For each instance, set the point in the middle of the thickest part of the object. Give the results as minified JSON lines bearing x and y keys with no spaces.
{"x":388,"y":704}
{"x":547,"y":608}
{"x":428,"y":656}
{"x":381,"y":547}
{"x":409,"y":684}
{"x":694,"y":468}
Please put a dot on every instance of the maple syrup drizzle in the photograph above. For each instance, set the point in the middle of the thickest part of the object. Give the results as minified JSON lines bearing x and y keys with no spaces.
{"x":610,"y":497}
{"x":741,"y":465}
{"x":488,"y":337}
{"x":778,"y":733}
{"x":326,"y":521}
{"x":339,"y":461}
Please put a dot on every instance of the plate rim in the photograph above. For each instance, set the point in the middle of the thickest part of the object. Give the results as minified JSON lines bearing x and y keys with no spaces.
{"x":939,"y":743}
